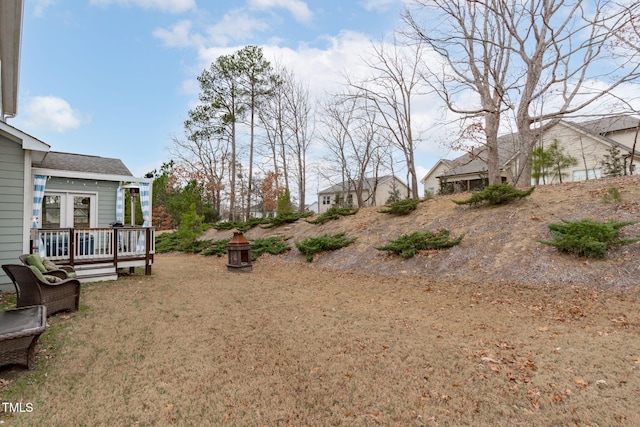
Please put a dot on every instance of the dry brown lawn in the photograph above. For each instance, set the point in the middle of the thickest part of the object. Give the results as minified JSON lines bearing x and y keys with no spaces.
{"x":357,"y":338}
{"x":297,"y":345}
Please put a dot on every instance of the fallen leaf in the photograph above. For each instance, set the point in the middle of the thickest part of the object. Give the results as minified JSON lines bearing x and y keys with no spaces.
{"x":543,"y":329}
{"x":581,"y":382}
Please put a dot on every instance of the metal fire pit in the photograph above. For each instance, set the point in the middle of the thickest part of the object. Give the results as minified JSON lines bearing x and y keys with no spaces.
{"x":239,"y":250}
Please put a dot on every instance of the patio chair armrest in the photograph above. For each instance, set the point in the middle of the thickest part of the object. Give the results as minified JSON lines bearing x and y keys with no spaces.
{"x":60,"y":273}
{"x":66,"y":282}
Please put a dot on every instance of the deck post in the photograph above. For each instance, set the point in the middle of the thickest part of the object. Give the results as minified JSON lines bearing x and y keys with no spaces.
{"x":116,"y":246}
{"x":72,"y":246}
{"x":147,"y":250}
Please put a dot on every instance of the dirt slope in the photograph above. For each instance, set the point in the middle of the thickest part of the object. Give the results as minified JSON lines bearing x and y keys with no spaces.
{"x":500,"y":242}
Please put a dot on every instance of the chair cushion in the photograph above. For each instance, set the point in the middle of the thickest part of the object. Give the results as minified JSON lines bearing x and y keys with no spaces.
{"x":36,"y":260}
{"x":49,"y":265}
{"x":52,"y":279}
{"x":38,"y":273}
{"x":26,"y":319}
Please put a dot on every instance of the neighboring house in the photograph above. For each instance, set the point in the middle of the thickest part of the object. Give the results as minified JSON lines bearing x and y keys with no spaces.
{"x":375,"y":193}
{"x":588,"y":142}
{"x":313,"y":207}
{"x":81,"y":195}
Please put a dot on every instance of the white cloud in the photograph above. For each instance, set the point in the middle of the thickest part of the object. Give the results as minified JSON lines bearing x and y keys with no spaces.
{"x":40,"y":6}
{"x":171,"y":6}
{"x":50,"y":113}
{"x":178,"y":35}
{"x":297,"y":8}
{"x":235,"y":26}
{"x":378,"y":5}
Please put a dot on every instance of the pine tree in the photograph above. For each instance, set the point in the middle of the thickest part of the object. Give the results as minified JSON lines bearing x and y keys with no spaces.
{"x":612,"y":164}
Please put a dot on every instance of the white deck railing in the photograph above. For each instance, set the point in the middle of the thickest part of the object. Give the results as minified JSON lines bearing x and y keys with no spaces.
{"x":86,"y":245}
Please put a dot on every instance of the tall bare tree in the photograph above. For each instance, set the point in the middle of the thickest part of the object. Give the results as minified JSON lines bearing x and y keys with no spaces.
{"x":353,"y":137}
{"x":300,"y":125}
{"x":395,"y":80}
{"x":567,"y":62}
{"x":274,"y":118}
{"x":560,"y":57}
{"x":469,"y":50}
{"x":204,"y":155}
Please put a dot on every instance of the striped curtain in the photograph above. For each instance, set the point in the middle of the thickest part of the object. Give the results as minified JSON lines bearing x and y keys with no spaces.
{"x":120,"y":205}
{"x":145,"y":203}
{"x":39,"y":182}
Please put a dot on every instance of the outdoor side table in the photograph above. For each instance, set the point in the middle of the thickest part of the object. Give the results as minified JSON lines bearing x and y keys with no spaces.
{"x":20,"y":329}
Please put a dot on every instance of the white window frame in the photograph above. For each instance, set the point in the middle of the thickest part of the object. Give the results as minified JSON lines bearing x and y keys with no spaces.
{"x":326,"y":200}
{"x":66,"y":206}
{"x":595,"y":173}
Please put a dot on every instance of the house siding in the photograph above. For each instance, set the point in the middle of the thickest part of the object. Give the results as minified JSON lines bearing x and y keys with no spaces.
{"x":625,"y":137}
{"x":587,"y":150}
{"x":105,"y":190}
{"x":431,"y":180}
{"x":12,"y":212}
{"x":383,"y":192}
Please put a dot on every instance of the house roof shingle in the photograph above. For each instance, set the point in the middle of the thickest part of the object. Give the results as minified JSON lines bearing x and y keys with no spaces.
{"x":369,"y":184}
{"x":83,"y":163}
{"x":606,"y":125}
{"x":477,"y":161}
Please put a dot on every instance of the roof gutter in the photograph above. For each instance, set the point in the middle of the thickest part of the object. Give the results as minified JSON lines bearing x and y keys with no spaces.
{"x":11,"y":12}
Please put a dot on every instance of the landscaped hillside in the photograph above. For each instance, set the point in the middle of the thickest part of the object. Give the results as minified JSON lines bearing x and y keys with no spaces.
{"x":500,"y":242}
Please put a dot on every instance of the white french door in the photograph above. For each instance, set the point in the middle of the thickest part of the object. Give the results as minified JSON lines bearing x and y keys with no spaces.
{"x":67,"y":210}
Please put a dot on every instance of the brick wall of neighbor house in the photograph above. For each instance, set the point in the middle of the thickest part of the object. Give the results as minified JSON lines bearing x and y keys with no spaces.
{"x":105,"y":191}
{"x":11,"y":211}
{"x":585,"y":149}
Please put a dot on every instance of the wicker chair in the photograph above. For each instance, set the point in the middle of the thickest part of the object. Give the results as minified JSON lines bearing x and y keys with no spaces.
{"x":20,"y":329}
{"x":30,"y":290}
{"x":62,"y":271}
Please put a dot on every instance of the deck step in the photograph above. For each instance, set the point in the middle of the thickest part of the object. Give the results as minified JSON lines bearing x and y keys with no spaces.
{"x":96,"y":272}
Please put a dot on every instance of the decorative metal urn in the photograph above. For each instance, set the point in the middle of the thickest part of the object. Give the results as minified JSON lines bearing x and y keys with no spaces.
{"x":239,"y":250}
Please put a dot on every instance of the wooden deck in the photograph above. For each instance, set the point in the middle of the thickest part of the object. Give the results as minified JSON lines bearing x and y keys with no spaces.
{"x":99,"y":253}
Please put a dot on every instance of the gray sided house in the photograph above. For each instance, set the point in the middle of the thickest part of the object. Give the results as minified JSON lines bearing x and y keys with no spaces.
{"x":17,"y":149}
{"x":588,"y":142}
{"x":80,"y":192}
{"x":65,"y":200}
{"x":375,"y":192}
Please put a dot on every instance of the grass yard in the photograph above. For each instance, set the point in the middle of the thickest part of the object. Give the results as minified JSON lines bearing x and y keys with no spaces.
{"x":294,"y":344}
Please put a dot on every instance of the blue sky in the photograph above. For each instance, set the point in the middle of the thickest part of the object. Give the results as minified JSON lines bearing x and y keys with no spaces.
{"x":115,"y":78}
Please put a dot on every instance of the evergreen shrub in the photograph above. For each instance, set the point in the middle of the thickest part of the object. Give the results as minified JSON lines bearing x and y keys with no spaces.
{"x":408,"y":245}
{"x":313,"y":245}
{"x":334,"y":212}
{"x":401,"y":207}
{"x":496,"y":194}
{"x":587,"y":237}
